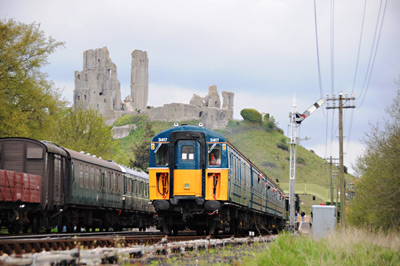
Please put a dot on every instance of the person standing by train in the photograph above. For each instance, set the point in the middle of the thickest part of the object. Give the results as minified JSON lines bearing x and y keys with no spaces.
{"x":303,"y":214}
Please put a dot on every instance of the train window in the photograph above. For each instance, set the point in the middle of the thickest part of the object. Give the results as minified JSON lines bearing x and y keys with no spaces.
{"x":34,"y":153}
{"x":108,"y":182}
{"x":112,"y":181}
{"x":91,"y":177}
{"x":116,"y":182}
{"x":98,"y":173}
{"x":214,"y":154}
{"x":81,"y":175}
{"x":187,"y":153}
{"x":141,"y":188}
{"x":86,"y":182}
{"x":161,"y":154}
{"x":128,"y":185}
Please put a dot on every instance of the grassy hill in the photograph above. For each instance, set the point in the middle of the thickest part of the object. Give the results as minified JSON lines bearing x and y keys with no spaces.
{"x":270,"y":152}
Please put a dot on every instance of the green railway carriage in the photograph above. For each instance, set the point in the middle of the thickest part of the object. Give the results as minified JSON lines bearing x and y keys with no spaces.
{"x":198,"y":180}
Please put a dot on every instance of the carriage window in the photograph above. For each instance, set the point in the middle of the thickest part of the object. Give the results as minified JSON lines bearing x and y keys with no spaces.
{"x":92,"y":177}
{"x":214,"y":154}
{"x":80,"y":175}
{"x":187,"y":153}
{"x":112,"y":185}
{"x":34,"y":153}
{"x":86,"y":182}
{"x":97,"y":183}
{"x":141,"y":188}
{"x":161,"y":154}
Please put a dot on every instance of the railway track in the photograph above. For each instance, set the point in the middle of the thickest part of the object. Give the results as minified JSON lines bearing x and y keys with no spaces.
{"x":23,"y":244}
{"x":106,"y":248}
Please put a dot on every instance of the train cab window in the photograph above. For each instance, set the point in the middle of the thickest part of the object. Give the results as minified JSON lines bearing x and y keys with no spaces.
{"x":187,"y":153}
{"x":214,"y":154}
{"x":161,"y":152}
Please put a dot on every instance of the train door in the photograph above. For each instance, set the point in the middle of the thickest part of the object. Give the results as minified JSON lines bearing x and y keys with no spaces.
{"x":187,"y":168}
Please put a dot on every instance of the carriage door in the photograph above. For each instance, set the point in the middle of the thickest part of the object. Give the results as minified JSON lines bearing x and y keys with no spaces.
{"x":187,"y":168}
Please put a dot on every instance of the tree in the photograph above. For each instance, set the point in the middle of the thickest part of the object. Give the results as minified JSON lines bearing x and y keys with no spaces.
{"x":269,"y":122}
{"x":251,"y":115}
{"x":377,"y":199}
{"x":86,"y":131}
{"x":141,"y":149}
{"x":29,"y":104}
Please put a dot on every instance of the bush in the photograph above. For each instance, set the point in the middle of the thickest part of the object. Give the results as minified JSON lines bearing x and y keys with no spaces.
{"x":251,"y":115}
{"x":282,"y":146}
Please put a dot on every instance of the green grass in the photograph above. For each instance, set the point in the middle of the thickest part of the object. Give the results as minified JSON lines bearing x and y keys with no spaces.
{"x":348,"y":247}
{"x":265,"y":150}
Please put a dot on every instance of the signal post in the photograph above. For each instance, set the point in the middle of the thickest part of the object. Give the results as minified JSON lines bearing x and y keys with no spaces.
{"x":295,"y":121}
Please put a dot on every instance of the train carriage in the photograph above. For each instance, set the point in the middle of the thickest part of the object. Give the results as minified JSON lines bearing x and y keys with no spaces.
{"x":22,"y":155}
{"x":198,"y":180}
{"x":76,"y":190}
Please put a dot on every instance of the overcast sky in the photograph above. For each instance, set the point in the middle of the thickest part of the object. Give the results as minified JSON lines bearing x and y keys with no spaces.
{"x":263,"y":51}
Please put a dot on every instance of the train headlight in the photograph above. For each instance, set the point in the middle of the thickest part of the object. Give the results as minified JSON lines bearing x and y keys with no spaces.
{"x":187,"y":186}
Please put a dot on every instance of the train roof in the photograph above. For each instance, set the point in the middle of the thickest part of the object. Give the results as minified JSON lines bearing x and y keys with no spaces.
{"x":211,"y":136}
{"x":92,"y":159}
{"x":50,"y":147}
{"x":133,"y":172}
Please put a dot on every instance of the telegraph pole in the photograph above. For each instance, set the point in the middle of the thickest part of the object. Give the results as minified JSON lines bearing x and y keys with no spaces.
{"x":295,"y":121}
{"x":331,"y":175}
{"x":341,"y":170}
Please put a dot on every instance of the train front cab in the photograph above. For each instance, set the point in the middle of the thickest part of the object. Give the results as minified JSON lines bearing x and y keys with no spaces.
{"x":188,"y":177}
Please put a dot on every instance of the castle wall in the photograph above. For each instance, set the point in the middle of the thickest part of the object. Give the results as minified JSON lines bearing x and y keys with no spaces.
{"x":211,"y":117}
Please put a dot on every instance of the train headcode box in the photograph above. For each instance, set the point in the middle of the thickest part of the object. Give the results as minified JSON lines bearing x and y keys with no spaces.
{"x":324,"y":220}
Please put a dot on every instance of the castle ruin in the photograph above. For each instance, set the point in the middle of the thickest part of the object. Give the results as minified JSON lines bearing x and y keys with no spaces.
{"x":98,"y":87}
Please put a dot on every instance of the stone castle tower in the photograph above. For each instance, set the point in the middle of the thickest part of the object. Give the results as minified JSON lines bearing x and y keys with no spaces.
{"x":139,"y":80}
{"x":97,"y":85}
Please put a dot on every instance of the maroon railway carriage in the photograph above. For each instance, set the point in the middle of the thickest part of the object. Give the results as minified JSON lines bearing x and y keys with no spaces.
{"x":21,"y":199}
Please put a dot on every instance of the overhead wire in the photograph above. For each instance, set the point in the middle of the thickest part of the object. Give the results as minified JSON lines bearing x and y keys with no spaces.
{"x":359,"y":46}
{"x":355,"y":73}
{"x":317,"y":46}
{"x":374,"y":49}
{"x":332,"y":50}
{"x":332,"y":46}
